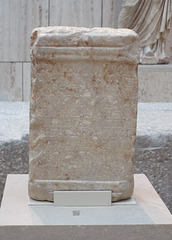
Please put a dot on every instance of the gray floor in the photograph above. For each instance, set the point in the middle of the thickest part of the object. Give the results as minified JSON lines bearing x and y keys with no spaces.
{"x":153,"y":145}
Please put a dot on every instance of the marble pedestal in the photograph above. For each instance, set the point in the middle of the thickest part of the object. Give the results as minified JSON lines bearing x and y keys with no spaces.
{"x":144,"y":216}
{"x":155,"y":83}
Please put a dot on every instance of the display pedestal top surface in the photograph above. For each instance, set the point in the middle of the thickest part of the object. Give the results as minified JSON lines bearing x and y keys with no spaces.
{"x":144,"y":216}
{"x":145,"y":207}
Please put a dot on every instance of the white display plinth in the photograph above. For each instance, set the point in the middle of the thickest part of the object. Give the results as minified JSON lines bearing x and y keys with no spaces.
{"x":155,"y":83}
{"x":145,"y":215}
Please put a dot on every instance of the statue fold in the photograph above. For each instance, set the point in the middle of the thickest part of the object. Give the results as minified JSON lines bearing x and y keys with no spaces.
{"x":151,"y":20}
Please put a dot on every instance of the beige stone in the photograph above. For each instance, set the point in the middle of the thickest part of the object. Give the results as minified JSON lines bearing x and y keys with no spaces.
{"x":83,"y":111}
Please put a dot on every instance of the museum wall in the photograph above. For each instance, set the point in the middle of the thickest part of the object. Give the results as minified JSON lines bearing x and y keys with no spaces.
{"x":19,"y":17}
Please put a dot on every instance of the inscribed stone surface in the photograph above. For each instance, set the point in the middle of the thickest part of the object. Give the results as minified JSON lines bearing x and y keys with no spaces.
{"x":83,"y":110}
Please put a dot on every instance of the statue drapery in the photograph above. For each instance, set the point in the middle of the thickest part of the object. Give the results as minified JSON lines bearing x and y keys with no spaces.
{"x":151,"y":20}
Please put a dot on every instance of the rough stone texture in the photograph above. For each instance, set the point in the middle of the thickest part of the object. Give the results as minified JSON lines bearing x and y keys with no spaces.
{"x":16,"y":25}
{"x":153,"y":144}
{"x":83,"y":111}
{"x":155,"y":83}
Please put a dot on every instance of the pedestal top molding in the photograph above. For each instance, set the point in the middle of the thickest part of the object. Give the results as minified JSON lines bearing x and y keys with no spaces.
{"x":113,"y":44}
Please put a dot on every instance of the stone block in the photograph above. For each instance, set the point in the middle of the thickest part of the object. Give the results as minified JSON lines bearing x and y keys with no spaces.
{"x":153,"y":153}
{"x":83,"y":111}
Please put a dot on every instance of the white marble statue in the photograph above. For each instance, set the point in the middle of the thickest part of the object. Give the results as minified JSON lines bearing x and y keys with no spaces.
{"x":151,"y":20}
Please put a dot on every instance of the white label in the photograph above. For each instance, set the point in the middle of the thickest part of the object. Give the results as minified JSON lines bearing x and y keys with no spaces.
{"x":82,"y":198}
